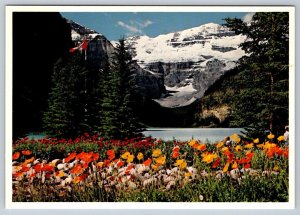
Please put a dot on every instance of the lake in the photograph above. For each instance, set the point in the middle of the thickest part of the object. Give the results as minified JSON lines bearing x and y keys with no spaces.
{"x":184,"y":134}
{"x":204,"y":134}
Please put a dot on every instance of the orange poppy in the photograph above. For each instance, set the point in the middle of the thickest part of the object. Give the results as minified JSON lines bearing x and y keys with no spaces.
{"x":70,"y":157}
{"x":77,"y":169}
{"x":130,"y":167}
{"x":147,"y":162}
{"x":26,"y":152}
{"x":16,"y":156}
{"x":225,"y":169}
{"x":29,"y":160}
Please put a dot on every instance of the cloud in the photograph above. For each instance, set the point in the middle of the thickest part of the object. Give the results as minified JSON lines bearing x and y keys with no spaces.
{"x":135,"y":26}
{"x":248,"y":17}
{"x":131,"y":28}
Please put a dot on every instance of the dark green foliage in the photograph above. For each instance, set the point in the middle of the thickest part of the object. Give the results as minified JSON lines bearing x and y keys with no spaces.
{"x":262,"y":98}
{"x":257,"y":89}
{"x":66,"y":114}
{"x":118,"y":116}
{"x":39,"y":39}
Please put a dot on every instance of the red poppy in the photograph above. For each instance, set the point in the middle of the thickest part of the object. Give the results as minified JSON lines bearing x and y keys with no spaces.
{"x":216,"y":163}
{"x":16,"y":156}
{"x":38,"y":167}
{"x":24,"y":168}
{"x":26,"y":152}
{"x":247,"y":166}
{"x":96,"y":156}
{"x":48,"y":168}
{"x":111,"y":154}
{"x":120,"y":163}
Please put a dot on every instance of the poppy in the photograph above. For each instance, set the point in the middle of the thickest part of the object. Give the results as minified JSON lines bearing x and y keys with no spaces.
{"x":77,"y":169}
{"x":147,"y":162}
{"x":216,"y":163}
{"x":234,"y":165}
{"x":70,"y":157}
{"x":140,"y":156}
{"x":48,"y":168}
{"x":225,"y":169}
{"x":256,"y":141}
{"x":247,"y":166}
{"x":181,"y":163}
{"x":156,"y":153}
{"x":130,"y":167}
{"x":30,"y":160}
{"x":111,"y":154}
{"x":26,"y":152}
{"x":38,"y":167}
{"x":271,"y":136}
{"x":16,"y":156}
{"x":209,"y":157}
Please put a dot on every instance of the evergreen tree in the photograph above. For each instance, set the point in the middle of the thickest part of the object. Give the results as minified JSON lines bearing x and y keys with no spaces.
{"x":262,"y":98}
{"x":118,"y":117}
{"x":65,"y":116}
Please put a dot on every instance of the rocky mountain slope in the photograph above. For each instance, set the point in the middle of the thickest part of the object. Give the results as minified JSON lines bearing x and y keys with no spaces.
{"x":190,"y":60}
{"x":150,"y":85}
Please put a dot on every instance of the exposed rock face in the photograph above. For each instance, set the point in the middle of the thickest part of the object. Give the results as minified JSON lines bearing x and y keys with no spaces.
{"x":149,"y":85}
{"x":190,"y":61}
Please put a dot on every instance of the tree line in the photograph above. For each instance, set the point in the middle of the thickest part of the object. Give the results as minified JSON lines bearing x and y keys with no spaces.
{"x":257,"y":89}
{"x":83,"y":99}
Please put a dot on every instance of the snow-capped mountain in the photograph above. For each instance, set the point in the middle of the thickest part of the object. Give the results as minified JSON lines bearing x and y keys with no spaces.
{"x":190,"y":60}
{"x":173,"y":69}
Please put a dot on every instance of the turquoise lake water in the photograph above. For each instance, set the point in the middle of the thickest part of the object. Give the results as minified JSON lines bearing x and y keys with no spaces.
{"x":184,"y":134}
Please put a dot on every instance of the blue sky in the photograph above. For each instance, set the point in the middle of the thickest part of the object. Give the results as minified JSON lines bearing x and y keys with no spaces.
{"x":115,"y":25}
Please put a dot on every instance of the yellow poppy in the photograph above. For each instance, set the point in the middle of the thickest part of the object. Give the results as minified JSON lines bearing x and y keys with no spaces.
{"x":238,"y":148}
{"x":192,"y":142}
{"x":234,"y":165}
{"x":181,"y":163}
{"x":125,"y":155}
{"x":280,"y":138}
{"x":256,"y":141}
{"x":130,"y":158}
{"x":156,"y":153}
{"x":219,"y":144}
{"x":140,"y":156}
{"x":209,"y":157}
{"x":161,"y":160}
{"x":249,"y":146}
{"x":225,"y":149}
{"x":271,"y":136}
{"x":235,"y":138}
{"x":187,"y":174}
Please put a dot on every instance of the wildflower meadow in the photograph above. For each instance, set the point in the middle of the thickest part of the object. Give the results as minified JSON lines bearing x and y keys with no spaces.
{"x":90,"y":169}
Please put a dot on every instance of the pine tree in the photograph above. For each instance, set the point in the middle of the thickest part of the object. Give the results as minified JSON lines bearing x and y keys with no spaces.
{"x":262,"y":98}
{"x":65,"y":116}
{"x":118,"y":117}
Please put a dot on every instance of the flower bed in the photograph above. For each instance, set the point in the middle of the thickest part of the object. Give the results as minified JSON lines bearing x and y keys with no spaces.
{"x":91,"y":169}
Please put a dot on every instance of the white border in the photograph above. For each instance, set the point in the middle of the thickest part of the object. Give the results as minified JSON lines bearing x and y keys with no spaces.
{"x":88,"y":205}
